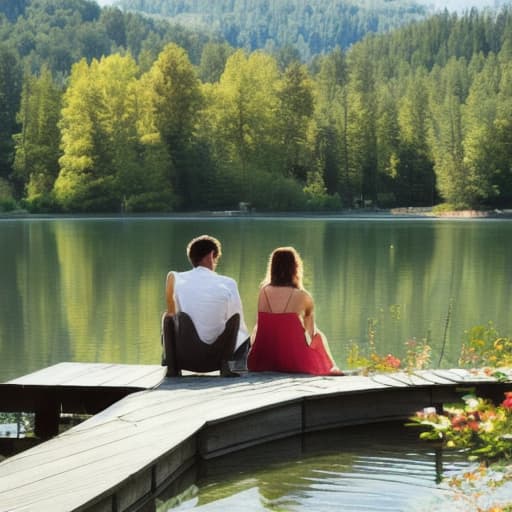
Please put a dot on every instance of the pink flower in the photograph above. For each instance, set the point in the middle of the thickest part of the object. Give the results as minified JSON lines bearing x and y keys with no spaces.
{"x":473,"y":425}
{"x":507,"y":403}
{"x":459,"y":422}
{"x":392,"y":361}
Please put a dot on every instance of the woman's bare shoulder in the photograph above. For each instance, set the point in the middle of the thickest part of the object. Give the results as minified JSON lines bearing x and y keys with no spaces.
{"x":304,"y":297}
{"x":305,"y":293}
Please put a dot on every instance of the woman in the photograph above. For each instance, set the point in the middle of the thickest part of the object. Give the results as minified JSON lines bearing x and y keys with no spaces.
{"x":285,"y":337}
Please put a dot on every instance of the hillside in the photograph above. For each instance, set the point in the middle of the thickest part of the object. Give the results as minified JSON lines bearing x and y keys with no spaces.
{"x":311,"y":27}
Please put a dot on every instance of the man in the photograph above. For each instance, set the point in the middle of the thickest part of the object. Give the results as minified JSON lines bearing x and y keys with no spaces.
{"x":212,"y":302}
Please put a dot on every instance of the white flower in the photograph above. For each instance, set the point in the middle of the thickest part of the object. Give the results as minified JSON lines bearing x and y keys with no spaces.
{"x":472,"y":403}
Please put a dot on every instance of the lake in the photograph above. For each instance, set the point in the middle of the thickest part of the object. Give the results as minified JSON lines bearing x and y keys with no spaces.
{"x":92,"y":289}
{"x":370,"y":468}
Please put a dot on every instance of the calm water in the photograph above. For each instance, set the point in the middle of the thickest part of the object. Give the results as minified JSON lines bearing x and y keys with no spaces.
{"x":364,"y":469}
{"x":93,"y":289}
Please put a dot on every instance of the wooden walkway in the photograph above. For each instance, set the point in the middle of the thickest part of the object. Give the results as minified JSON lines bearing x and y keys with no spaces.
{"x":85,"y":388}
{"x":118,"y":459}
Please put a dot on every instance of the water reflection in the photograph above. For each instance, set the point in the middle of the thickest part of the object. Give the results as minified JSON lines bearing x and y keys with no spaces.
{"x":370,"y":468}
{"x":93,"y":289}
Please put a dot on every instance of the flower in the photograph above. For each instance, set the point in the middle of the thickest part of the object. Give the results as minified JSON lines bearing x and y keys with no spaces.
{"x":473,"y":425}
{"x":392,"y":361}
{"x":458,"y":422}
{"x":507,"y":403}
{"x":472,"y":403}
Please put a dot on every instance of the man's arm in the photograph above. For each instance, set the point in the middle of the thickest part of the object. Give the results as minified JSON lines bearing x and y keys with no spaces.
{"x":169,"y":294}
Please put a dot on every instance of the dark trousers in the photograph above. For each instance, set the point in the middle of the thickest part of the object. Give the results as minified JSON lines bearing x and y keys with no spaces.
{"x":184,"y":350}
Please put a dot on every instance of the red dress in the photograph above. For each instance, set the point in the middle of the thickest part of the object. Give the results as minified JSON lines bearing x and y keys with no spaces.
{"x":280,"y":346}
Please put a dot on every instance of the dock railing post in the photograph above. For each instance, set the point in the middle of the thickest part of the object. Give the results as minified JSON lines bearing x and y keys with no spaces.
{"x":47,"y":418}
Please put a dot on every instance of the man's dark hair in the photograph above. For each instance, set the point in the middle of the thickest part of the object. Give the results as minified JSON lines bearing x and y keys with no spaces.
{"x":201,"y":246}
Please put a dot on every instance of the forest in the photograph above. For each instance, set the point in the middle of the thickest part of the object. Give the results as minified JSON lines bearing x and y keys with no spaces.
{"x":311,"y":27}
{"x":103,"y":110}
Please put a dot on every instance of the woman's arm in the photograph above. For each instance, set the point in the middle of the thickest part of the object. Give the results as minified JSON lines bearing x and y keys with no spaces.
{"x":309,"y":317}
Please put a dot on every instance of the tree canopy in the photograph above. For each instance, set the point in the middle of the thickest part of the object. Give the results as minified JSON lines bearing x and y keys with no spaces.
{"x":412,"y":117}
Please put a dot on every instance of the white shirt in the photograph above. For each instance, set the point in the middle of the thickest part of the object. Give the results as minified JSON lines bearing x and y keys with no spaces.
{"x":210,"y":300}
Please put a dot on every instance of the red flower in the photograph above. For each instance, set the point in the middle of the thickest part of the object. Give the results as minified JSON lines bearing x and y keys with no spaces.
{"x":473,"y":425}
{"x":459,"y":422}
{"x":507,"y":403}
{"x":392,"y":361}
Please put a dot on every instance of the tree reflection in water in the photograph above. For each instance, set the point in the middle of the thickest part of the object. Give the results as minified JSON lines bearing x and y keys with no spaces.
{"x":372,"y":468}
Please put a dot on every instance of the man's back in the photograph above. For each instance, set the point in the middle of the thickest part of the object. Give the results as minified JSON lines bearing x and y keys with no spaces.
{"x":208,"y":298}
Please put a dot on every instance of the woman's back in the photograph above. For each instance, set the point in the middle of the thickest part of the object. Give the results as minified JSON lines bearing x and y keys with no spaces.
{"x":285,"y":299}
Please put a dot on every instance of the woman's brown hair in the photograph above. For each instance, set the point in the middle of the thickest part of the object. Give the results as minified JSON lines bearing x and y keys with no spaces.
{"x":284,"y":268}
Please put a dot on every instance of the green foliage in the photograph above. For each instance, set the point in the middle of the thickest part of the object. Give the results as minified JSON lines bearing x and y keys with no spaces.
{"x":443,"y":208}
{"x":37,"y":146}
{"x":213,"y":61}
{"x":10,"y":90}
{"x":372,"y":363}
{"x":317,"y":197}
{"x":42,"y":203}
{"x":272,"y":193}
{"x":413,"y":117}
{"x":312,"y":28}
{"x":484,"y":346}
{"x":7,"y":202}
{"x":417,"y":353}
{"x":25,"y":420}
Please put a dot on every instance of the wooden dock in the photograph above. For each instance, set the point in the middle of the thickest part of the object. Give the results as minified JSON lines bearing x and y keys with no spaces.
{"x":80,"y":388}
{"x":120,"y":458}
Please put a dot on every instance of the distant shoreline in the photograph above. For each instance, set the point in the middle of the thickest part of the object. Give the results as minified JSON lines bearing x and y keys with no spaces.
{"x":393,"y":213}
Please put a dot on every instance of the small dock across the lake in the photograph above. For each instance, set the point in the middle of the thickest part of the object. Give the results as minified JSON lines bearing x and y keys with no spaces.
{"x":154,"y":428}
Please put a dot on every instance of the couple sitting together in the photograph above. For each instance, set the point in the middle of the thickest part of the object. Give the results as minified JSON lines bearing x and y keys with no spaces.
{"x":204,"y":329}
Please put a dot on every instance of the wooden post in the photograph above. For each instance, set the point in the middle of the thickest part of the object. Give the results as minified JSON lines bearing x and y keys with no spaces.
{"x":46,"y":424}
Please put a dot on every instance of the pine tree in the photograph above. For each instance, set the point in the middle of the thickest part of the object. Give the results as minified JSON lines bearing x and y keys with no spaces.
{"x":37,"y":146}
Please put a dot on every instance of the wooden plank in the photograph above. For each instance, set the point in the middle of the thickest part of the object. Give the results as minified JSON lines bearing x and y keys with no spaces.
{"x":112,"y":375}
{"x":449,"y":375}
{"x":95,"y":374}
{"x":55,"y":375}
{"x":433,"y":377}
{"x":151,"y":380}
{"x":93,"y":471}
{"x":174,"y":462}
{"x":389,"y":380}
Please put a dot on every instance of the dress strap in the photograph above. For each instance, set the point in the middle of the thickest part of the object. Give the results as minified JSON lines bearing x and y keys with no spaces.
{"x":266,"y":298}
{"x":288,"y":301}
